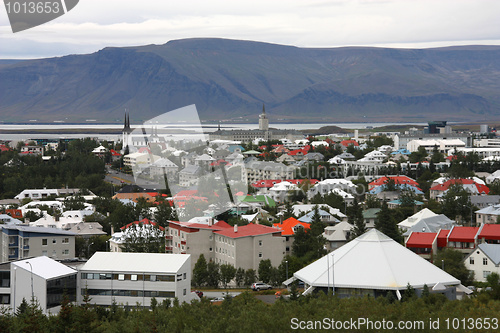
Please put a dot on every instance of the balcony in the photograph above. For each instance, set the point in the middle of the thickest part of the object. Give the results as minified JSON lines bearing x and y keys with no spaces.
{"x":169,"y":237}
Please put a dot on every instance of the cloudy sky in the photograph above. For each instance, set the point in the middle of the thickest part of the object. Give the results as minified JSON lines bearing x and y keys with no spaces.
{"x":95,"y":24}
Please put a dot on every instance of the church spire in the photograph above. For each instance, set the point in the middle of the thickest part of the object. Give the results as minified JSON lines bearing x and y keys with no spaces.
{"x":263,"y":109}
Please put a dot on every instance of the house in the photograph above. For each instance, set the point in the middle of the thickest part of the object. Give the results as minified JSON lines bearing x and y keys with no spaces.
{"x":263,"y":185}
{"x":325,"y":217}
{"x":489,"y":233}
{"x":288,"y":229}
{"x":100,"y":151}
{"x":347,"y":143}
{"x":397,"y":203}
{"x":87,"y":229}
{"x":7,"y":219}
{"x":135,"y":278}
{"x":431,"y":225}
{"x":371,"y":265}
{"x":143,"y":229}
{"x":258,"y":200}
{"x":415,"y":218}
{"x":398,"y":180}
{"x":134,"y":159}
{"x":488,"y":214}
{"x":337,"y":235}
{"x":190,"y":175}
{"x":255,"y":171}
{"x":422,"y":243}
{"x":20,"y":241}
{"x":370,"y":217}
{"x":470,"y":185}
{"x":31,"y":150}
{"x":462,"y":239}
{"x":302,"y":209}
{"x":45,"y":193}
{"x":42,"y":278}
{"x":484,"y":260}
{"x":326,"y":186}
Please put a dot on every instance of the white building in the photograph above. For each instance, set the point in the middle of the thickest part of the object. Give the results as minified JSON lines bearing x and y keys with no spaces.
{"x":484,"y":260}
{"x":132,"y":278}
{"x":42,"y":278}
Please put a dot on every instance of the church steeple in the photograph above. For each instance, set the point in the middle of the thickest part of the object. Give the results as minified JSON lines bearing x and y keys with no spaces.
{"x":263,"y":121}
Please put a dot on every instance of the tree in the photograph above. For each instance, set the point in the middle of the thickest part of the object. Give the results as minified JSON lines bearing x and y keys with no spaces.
{"x":456,"y":203}
{"x":227,"y":273}
{"x":265,"y":270}
{"x":145,"y":238}
{"x":200,"y":271}
{"x":239,"y":276}
{"x":452,"y":260}
{"x":213,"y":274}
{"x":355,"y":217}
{"x":386,"y":224}
{"x":250,"y":276}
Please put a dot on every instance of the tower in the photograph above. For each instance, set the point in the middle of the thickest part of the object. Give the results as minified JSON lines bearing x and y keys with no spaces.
{"x":263,"y":121}
{"x":126,"y":132}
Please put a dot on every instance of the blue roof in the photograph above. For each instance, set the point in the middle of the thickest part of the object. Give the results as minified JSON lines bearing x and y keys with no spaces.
{"x":401,"y":151}
{"x":398,"y":202}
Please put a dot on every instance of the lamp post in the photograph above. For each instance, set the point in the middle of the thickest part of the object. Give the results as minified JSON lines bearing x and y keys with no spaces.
{"x":286,"y":265}
{"x":88,"y":249}
{"x":333,"y":276}
{"x":32,"y":293}
{"x":442,"y":265}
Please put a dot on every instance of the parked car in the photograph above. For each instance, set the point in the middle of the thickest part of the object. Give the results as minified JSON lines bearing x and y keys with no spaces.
{"x":260,"y":286}
{"x":199,"y":293}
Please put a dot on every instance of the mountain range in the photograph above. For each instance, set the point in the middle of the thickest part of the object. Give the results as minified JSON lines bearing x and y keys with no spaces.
{"x":232,"y":79}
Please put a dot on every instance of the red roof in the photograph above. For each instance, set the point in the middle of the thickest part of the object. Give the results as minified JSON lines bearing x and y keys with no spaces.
{"x":463,"y":234}
{"x":421,"y":239}
{"x":114,"y":152}
{"x":444,"y":186}
{"x":248,"y":230}
{"x":397,"y":180}
{"x":296,"y":152}
{"x":143,"y":221}
{"x":144,"y":150}
{"x":490,"y":231}
{"x":443,"y":238}
{"x":219,"y":162}
{"x":287,"y":226}
{"x":222,"y":224}
{"x":15,"y":213}
{"x":4,"y":148}
{"x":268,"y":183}
{"x":346,"y":143}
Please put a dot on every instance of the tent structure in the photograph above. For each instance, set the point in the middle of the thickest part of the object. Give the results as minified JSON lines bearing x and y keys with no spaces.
{"x":373,"y":264}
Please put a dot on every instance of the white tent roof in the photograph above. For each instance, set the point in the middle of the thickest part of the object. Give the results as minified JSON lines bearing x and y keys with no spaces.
{"x":45,"y":267}
{"x":135,"y":262}
{"x":373,"y":261}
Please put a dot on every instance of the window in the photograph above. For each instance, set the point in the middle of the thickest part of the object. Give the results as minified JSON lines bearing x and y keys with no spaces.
{"x":471,"y":260}
{"x":486,"y":273}
{"x":260,"y":243}
{"x":184,"y":292}
{"x":211,"y":249}
{"x":260,"y":254}
{"x":121,"y":277}
{"x":65,"y":252}
{"x":65,"y":240}
{"x":485,"y":261}
{"x":54,"y":241}
{"x":184,"y":276}
{"x":44,"y":253}
{"x":133,"y":277}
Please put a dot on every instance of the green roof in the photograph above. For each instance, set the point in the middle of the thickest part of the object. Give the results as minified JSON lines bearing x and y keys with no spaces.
{"x":371,"y":213}
{"x":260,"y":198}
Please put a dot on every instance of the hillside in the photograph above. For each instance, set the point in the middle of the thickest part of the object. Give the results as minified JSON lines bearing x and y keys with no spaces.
{"x":228,"y":79}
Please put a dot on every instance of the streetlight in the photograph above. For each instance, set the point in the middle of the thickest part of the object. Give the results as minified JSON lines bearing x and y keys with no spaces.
{"x":286,"y":264}
{"x":442,"y":265}
{"x":32,"y":293}
{"x":88,"y":249}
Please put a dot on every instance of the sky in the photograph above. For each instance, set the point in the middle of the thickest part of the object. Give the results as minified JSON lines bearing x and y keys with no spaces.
{"x":95,"y":24}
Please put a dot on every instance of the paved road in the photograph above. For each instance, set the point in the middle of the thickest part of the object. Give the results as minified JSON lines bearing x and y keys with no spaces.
{"x":215,"y":294}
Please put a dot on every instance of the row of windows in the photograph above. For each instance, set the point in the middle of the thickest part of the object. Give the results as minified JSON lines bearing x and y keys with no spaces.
{"x":129,"y":293}
{"x":54,"y":241}
{"x":471,"y":261}
{"x":129,"y":277}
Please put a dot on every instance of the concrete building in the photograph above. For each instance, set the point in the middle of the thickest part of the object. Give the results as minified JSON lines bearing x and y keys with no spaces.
{"x":134,"y":278}
{"x":261,"y":170}
{"x":243,"y":246}
{"x":41,"y":278}
{"x":401,"y":140}
{"x":19,"y":241}
{"x":46,"y":192}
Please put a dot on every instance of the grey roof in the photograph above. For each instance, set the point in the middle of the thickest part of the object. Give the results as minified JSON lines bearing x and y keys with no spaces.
{"x":431,"y":224}
{"x":9,"y":219}
{"x":45,"y":267}
{"x":271,"y":166}
{"x":191,"y":169}
{"x":39,"y":230}
{"x":165,"y":162}
{"x":492,"y":251}
{"x":308,"y":218}
{"x":485,"y":199}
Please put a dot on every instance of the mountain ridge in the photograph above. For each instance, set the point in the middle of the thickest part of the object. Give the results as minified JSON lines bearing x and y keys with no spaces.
{"x":231,"y":79}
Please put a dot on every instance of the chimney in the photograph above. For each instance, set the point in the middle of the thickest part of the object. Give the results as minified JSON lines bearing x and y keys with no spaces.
{"x":112,"y":230}
{"x":210,"y":221}
{"x":235,"y":228}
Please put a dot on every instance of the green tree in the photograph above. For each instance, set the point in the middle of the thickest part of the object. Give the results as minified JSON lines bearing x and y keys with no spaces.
{"x":239,"y":276}
{"x":386,"y":224}
{"x":227,"y":273}
{"x":250,"y":276}
{"x":213,"y":274}
{"x":145,"y":238}
{"x":200,"y":273}
{"x":265,"y":270}
{"x":355,"y":217}
{"x":452,"y":260}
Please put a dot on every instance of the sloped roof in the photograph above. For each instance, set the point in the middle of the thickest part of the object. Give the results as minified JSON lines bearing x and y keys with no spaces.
{"x":45,"y":267}
{"x":431,"y":224}
{"x":445,"y":186}
{"x":421,"y":239}
{"x":337,"y":232}
{"x":308,"y":218}
{"x":443,"y":238}
{"x":397,"y":180}
{"x":492,"y":251}
{"x":247,"y":230}
{"x":490,"y":231}
{"x":463,"y":234}
{"x":373,"y":261}
{"x":412,"y":220}
{"x":287,"y":226}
